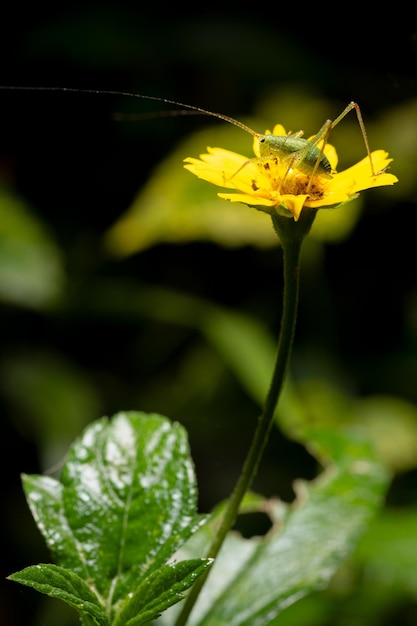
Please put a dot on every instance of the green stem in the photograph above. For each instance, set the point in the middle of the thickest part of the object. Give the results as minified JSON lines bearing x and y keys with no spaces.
{"x":291,"y":234}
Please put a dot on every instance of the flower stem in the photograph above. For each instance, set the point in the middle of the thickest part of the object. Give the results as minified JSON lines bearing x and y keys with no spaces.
{"x":291,"y":235}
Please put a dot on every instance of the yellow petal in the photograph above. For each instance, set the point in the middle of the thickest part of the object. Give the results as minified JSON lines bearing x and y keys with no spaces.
{"x":345,"y":185}
{"x":294,"y":203}
{"x":251,"y":200}
{"x":359,"y":176}
{"x":218,"y":166}
{"x":331,"y":154}
{"x":278,"y":130}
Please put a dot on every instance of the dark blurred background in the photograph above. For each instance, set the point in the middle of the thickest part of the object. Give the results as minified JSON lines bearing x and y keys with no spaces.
{"x":70,"y":354}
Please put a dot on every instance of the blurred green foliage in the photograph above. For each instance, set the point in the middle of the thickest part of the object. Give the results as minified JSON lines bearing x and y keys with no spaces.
{"x":160,"y":325}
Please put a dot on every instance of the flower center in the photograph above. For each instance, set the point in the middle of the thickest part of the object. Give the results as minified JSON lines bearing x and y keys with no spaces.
{"x":287,"y":181}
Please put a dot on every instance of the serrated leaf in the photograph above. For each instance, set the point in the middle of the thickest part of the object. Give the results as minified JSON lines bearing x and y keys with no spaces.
{"x":126,"y":502}
{"x":253,"y":580}
{"x":130,"y":498}
{"x":327,"y":521}
{"x":163,"y":588}
{"x":44,"y":496}
{"x":64,"y":585}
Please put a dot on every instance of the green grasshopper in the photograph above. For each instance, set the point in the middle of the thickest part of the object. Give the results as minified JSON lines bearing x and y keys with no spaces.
{"x":302,"y":154}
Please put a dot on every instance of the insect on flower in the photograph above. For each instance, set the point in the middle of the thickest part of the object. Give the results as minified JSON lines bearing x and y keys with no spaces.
{"x":287,"y":171}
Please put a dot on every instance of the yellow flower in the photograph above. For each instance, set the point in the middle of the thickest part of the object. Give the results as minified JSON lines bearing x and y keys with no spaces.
{"x":270,"y":184}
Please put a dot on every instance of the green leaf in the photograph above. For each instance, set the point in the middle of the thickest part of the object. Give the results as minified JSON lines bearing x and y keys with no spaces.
{"x":67,"y":586}
{"x":44,"y":496}
{"x":329,"y":517}
{"x":245,"y":345}
{"x":253,"y":580}
{"x":160,"y":590}
{"x":392,"y":422}
{"x":388,"y":550}
{"x":130,"y":497}
{"x":126,"y":502}
{"x":31,"y":269}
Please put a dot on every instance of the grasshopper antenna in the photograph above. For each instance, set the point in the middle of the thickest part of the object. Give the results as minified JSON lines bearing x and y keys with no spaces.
{"x":129,"y":94}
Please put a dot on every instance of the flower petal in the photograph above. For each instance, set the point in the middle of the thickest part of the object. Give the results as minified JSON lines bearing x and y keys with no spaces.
{"x":218,"y":166}
{"x":294,"y":204}
{"x":248,"y":199}
{"x":360,"y":174}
